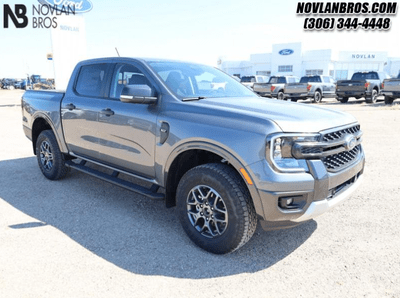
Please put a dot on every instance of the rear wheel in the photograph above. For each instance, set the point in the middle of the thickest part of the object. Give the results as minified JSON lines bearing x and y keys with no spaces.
{"x":281,"y":96}
{"x":215,"y":208}
{"x":344,"y":99}
{"x":374,"y":96}
{"x":50,"y":159}
{"x":388,"y":100}
{"x":317,"y":97}
{"x":295,"y":99}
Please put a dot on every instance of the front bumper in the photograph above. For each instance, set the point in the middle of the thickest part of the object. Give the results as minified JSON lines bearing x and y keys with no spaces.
{"x":314,"y":193}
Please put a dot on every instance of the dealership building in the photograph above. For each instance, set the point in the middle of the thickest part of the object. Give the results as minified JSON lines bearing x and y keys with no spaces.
{"x":289,"y":59}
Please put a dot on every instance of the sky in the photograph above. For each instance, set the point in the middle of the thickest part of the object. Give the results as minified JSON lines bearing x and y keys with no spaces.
{"x":198,"y":31}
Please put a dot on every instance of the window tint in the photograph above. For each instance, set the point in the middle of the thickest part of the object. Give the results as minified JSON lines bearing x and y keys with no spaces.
{"x":91,"y":79}
{"x":365,"y":76}
{"x":312,"y":79}
{"x":126,"y":74}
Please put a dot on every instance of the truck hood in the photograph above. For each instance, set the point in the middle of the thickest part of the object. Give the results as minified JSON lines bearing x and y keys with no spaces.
{"x":289,"y":116}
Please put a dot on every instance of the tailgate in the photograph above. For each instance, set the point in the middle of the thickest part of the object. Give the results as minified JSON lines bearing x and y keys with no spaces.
{"x":296,"y":88}
{"x":262,"y":87}
{"x":392,"y":85}
{"x":351,"y":86}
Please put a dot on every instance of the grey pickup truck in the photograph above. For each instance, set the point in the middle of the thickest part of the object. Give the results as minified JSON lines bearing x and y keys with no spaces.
{"x":226,"y":157}
{"x":362,"y":84}
{"x":274,"y":87}
{"x":315,"y":87}
{"x":390,"y":88}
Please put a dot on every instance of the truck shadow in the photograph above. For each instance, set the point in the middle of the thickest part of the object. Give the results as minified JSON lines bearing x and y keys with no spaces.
{"x":131,"y":231}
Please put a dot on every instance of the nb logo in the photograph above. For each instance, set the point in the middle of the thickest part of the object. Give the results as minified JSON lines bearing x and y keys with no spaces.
{"x":18,"y":16}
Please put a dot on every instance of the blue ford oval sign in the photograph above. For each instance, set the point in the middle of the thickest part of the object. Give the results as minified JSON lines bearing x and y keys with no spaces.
{"x":79,"y":6}
{"x":286,"y":52}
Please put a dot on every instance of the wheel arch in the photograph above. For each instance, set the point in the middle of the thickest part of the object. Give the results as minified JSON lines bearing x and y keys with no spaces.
{"x":41,"y":123}
{"x":190,"y":155}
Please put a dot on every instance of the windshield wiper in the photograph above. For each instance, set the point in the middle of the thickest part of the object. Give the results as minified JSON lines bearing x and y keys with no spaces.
{"x":193,"y":98}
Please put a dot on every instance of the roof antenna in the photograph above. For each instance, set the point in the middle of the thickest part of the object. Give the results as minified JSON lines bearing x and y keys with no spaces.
{"x":117,"y":52}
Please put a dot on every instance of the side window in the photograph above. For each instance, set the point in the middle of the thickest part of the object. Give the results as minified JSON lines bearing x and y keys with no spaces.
{"x":326,"y":80}
{"x":126,"y":74}
{"x":91,"y":80}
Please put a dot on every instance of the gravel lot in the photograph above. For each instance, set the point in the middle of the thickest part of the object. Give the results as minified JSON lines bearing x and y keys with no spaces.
{"x":81,"y":237}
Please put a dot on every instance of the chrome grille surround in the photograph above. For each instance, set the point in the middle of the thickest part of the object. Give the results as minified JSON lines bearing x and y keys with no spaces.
{"x":337,"y":149}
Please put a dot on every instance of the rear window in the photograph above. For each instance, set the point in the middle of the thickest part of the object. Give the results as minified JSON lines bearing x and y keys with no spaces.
{"x":365,"y":76}
{"x":248,"y":79}
{"x":91,"y":79}
{"x":312,"y":79}
{"x":277,"y":80}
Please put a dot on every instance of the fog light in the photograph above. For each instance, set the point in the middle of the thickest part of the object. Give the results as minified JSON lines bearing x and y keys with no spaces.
{"x":291,"y":202}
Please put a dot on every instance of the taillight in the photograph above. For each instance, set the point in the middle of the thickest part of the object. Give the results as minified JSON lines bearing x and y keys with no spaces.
{"x":272,"y":88}
{"x":308,"y":87}
{"x":366,"y":85}
{"x":382,"y":85}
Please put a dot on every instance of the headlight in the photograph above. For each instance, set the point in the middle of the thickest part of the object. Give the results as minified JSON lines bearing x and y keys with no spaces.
{"x":279,"y":151}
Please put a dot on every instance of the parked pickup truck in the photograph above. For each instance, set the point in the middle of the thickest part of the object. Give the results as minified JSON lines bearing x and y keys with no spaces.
{"x":390,"y":88}
{"x":226,"y":158}
{"x":316,"y":87}
{"x":362,"y":84}
{"x":249,"y":81}
{"x":275,"y":86}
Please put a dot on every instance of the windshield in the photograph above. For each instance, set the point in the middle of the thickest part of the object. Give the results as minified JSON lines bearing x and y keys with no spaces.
{"x":187,"y":80}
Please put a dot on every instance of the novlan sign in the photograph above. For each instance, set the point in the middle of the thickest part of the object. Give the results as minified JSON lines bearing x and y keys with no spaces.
{"x":78,"y":6}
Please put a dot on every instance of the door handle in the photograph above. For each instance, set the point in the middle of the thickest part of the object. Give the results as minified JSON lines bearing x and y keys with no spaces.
{"x":108,"y":112}
{"x":70,"y":106}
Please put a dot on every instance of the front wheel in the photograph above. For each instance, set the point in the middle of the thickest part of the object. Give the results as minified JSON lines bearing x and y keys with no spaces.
{"x":215,"y":208}
{"x":317,"y":97}
{"x":50,"y":159}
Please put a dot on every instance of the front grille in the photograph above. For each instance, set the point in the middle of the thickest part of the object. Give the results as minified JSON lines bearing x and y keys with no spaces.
{"x":341,"y":160}
{"x":333,"y":136}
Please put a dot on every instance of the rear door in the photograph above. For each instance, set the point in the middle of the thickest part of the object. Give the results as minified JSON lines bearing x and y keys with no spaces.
{"x":127,"y":131}
{"x":80,"y":109}
{"x":329,"y":87}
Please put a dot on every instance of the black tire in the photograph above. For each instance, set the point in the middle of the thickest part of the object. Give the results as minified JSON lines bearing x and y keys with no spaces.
{"x":215,"y":208}
{"x":50,"y":159}
{"x":344,"y":99}
{"x":281,"y":96}
{"x":388,"y":100}
{"x":374,"y":96}
{"x":295,"y":99}
{"x":317,"y":97}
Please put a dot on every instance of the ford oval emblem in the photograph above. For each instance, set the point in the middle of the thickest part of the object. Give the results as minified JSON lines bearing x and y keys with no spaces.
{"x":286,"y":52}
{"x":79,"y":6}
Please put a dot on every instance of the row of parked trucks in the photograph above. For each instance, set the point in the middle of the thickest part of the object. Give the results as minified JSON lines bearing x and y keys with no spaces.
{"x":368,"y":85}
{"x":31,"y":82}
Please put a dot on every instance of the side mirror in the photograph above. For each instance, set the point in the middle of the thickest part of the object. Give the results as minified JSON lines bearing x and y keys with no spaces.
{"x":138,"y":94}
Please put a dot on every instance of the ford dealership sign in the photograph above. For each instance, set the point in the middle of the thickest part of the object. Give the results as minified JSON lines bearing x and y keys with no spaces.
{"x":286,"y":52}
{"x":78,"y":6}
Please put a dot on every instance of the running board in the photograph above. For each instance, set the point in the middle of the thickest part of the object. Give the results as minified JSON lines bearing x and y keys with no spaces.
{"x":113,"y":178}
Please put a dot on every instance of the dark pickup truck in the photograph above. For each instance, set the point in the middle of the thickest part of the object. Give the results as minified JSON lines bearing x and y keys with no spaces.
{"x":226,"y":157}
{"x":362,"y":84}
{"x":391,"y":89}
